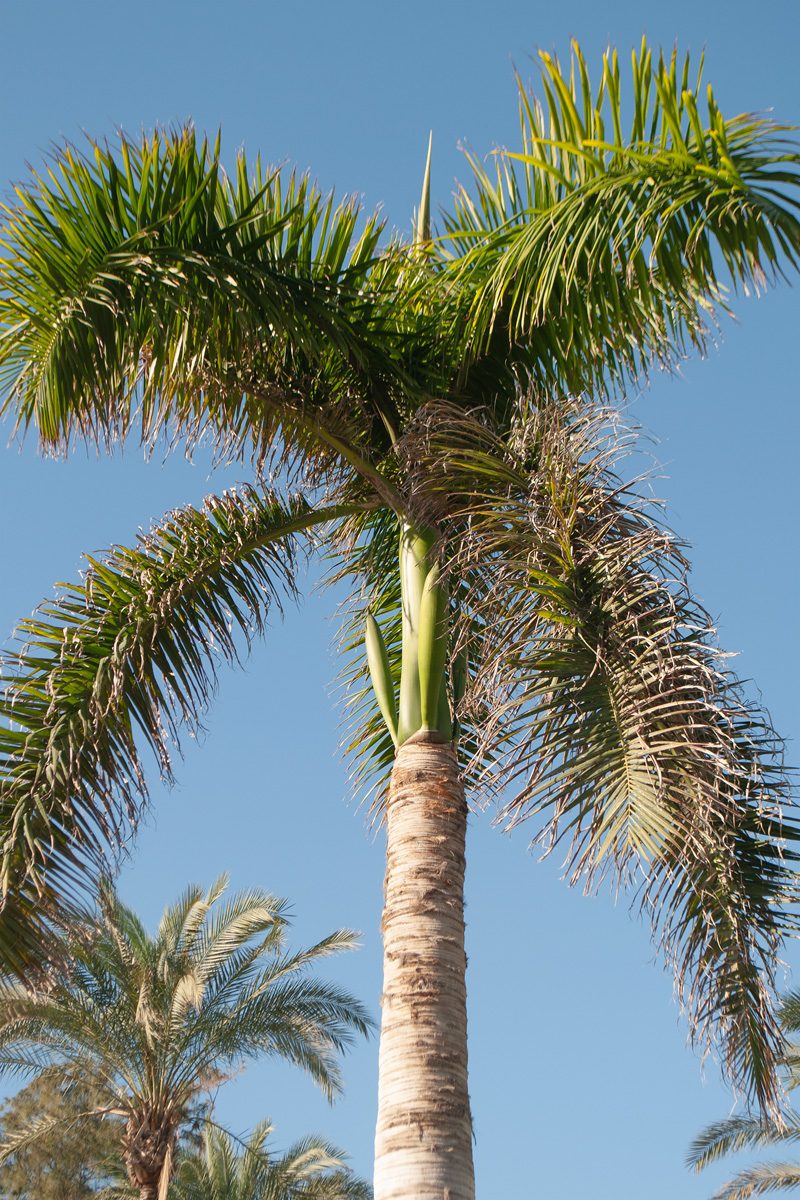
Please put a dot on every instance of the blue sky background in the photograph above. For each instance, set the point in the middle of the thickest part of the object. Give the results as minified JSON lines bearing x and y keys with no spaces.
{"x":580,"y":1076}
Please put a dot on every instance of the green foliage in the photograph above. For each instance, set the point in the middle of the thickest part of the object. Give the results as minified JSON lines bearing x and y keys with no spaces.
{"x":149,"y":1023}
{"x":125,"y":658}
{"x":155,"y":275}
{"x":143,"y":293}
{"x":594,"y":255}
{"x":60,"y":1166}
{"x":311,"y":1169}
{"x":749,"y":1132}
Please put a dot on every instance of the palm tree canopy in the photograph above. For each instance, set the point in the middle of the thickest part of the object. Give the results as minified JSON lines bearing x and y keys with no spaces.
{"x":311,"y":1169}
{"x":150,"y":1022}
{"x":148,"y":288}
{"x":145,"y":292}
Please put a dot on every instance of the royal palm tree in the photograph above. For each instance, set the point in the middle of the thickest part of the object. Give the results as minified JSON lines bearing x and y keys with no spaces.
{"x":749,"y":1131}
{"x":149,"y":1023}
{"x":536,"y":626}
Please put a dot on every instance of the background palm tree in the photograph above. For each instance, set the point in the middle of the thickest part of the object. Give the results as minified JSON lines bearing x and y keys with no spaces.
{"x":420,"y":387}
{"x":149,"y":1024}
{"x":749,"y":1132}
{"x":311,"y":1169}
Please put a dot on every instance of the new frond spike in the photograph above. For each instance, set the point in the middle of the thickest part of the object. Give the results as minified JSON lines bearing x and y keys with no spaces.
{"x":422,"y":221}
{"x":380,"y":672}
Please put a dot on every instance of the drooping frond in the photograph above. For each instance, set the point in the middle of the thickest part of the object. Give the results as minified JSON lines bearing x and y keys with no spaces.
{"x":129,"y":656}
{"x":757,"y":1181}
{"x":600,"y":697}
{"x":591,"y":255}
{"x":749,"y":1132}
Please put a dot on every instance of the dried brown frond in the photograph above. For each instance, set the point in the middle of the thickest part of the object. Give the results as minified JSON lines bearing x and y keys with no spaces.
{"x":600,"y":699}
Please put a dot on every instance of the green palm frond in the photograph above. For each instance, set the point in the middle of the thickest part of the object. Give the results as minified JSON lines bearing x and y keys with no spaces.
{"x":126,"y":658}
{"x":790,"y":1012}
{"x":740,"y":1133}
{"x":311,"y":1169}
{"x":746,"y":1132}
{"x":146,"y":289}
{"x":756,"y":1181}
{"x":39,"y":1130}
{"x":593,"y":255}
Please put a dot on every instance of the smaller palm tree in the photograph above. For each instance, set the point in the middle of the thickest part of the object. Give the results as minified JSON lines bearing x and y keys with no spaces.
{"x":151,"y":1023}
{"x":311,"y":1169}
{"x":748,"y":1132}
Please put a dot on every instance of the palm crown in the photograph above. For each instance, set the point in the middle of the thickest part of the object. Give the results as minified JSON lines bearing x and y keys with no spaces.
{"x":419,"y":385}
{"x":149,"y":1023}
{"x":311,"y":1169}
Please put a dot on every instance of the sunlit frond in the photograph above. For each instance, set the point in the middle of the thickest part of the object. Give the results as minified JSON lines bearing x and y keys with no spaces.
{"x":311,"y":1169}
{"x":135,"y":282}
{"x":591,"y":255}
{"x":124,"y":659}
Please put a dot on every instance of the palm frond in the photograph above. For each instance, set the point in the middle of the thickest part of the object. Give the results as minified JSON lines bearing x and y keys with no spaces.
{"x":756,"y":1181}
{"x":593,"y":255}
{"x":40,"y":1129}
{"x":601,"y":695}
{"x":128,"y":655}
{"x":790,"y":1014}
{"x":145,"y":290}
{"x":745,"y":1132}
{"x":748,"y":1132}
{"x":311,"y":1169}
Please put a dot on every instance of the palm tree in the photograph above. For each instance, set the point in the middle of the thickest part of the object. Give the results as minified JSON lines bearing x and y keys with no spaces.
{"x":536,"y":627}
{"x":749,"y":1131}
{"x":311,"y":1169}
{"x":151,"y":1023}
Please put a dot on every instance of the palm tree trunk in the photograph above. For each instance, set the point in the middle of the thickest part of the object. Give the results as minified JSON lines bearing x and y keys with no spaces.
{"x":423,"y":1143}
{"x":148,"y":1191}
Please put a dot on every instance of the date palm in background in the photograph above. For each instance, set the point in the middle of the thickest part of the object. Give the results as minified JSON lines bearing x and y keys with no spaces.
{"x":310,"y":1170}
{"x":748,"y":1131}
{"x":435,"y":415}
{"x":152,"y":1024}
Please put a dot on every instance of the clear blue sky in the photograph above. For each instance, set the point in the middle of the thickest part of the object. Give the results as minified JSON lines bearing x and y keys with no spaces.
{"x":581,"y":1081}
